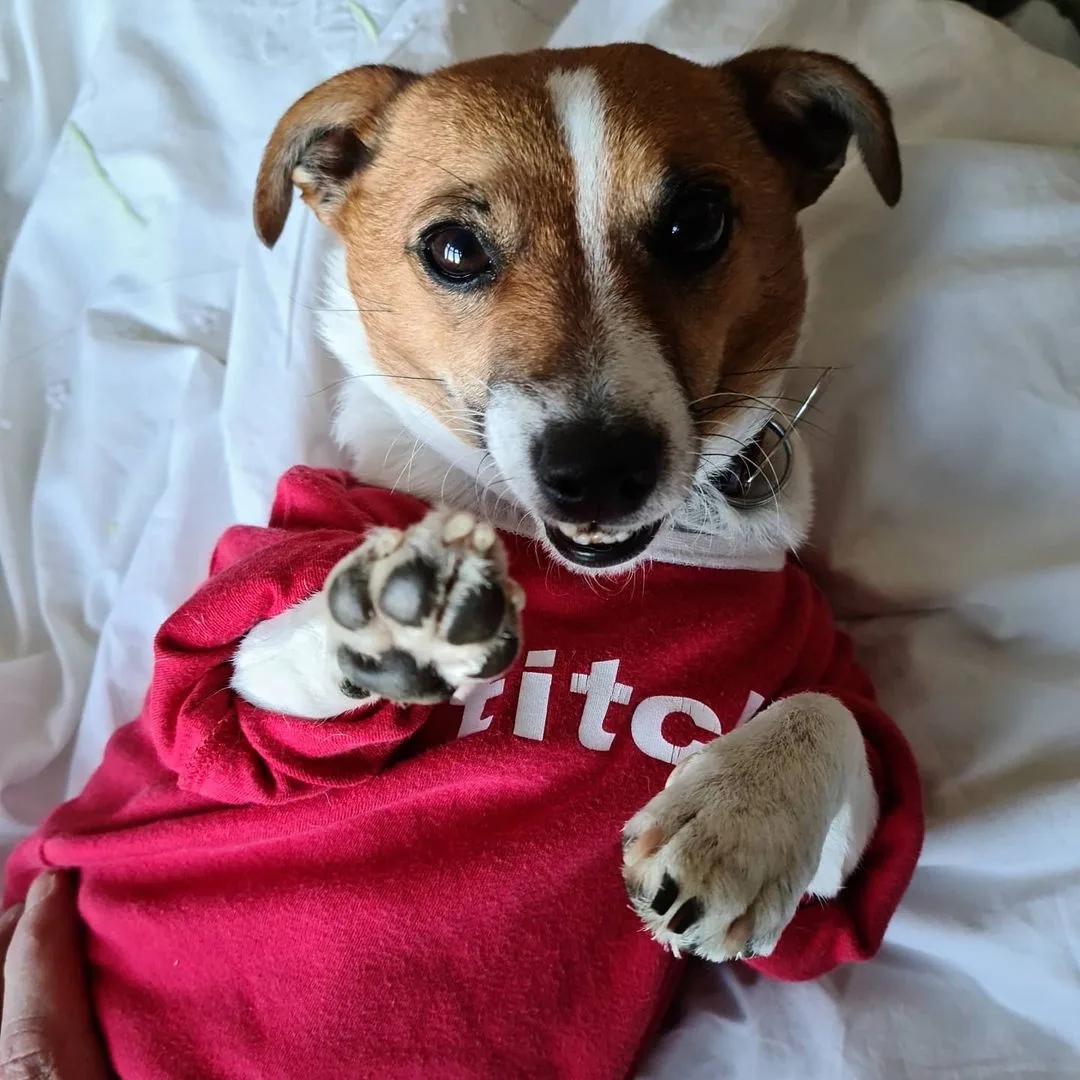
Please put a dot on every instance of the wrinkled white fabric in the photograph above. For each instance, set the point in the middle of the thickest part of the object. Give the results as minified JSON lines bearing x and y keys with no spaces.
{"x":158,"y":370}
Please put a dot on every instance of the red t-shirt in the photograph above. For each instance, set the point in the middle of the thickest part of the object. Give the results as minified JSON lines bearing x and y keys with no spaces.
{"x":411,"y":892}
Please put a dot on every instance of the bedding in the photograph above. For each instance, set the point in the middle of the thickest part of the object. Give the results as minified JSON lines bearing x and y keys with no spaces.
{"x":159,"y":370}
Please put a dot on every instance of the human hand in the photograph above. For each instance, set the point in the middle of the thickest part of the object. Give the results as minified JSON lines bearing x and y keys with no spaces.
{"x":46,"y":1030}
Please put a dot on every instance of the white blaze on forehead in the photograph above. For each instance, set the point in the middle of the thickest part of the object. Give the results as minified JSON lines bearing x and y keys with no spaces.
{"x":579,"y":107}
{"x":629,"y":371}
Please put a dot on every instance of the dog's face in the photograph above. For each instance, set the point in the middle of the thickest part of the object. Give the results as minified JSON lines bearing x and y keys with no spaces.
{"x":586,"y":261}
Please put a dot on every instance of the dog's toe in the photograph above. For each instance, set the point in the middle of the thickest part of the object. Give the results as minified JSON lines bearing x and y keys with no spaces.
{"x":410,"y":592}
{"x":705,"y":876}
{"x":475,"y":612}
{"x":349,"y":597}
{"x":394,"y":674}
{"x":504,"y":649}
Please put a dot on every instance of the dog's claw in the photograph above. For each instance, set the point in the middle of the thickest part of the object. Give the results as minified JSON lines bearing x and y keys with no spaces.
{"x":688,"y":914}
{"x":715,"y":864}
{"x":665,"y":895}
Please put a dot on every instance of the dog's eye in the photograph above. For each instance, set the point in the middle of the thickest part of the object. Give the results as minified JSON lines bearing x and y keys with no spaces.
{"x":456,"y":254}
{"x":694,"y":228}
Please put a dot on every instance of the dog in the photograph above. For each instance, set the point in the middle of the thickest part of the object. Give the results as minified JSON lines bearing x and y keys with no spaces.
{"x":594,"y":265}
{"x":576,"y":279}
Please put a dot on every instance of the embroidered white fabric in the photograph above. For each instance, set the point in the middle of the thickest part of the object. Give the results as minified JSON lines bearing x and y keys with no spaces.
{"x":158,"y":370}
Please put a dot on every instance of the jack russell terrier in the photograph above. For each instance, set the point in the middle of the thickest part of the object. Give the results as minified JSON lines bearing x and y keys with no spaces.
{"x":370,"y":816}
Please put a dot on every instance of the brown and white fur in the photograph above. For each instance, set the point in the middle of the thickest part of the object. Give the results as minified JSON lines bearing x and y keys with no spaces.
{"x":638,"y":300}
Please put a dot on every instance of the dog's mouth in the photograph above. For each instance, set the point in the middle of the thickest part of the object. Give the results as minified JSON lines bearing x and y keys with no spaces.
{"x":753,"y":477}
{"x":597,"y":548}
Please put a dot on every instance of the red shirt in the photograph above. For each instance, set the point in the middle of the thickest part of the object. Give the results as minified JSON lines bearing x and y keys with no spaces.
{"x":432,"y":891}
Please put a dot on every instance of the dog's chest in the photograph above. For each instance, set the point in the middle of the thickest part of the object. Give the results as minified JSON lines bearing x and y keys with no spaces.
{"x":651,"y":667}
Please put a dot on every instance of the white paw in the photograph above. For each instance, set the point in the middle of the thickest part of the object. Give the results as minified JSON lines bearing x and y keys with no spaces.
{"x":416,"y":614}
{"x":718,"y":862}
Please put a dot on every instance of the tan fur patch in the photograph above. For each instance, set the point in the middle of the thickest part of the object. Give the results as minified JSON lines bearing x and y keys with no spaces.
{"x":479,"y":144}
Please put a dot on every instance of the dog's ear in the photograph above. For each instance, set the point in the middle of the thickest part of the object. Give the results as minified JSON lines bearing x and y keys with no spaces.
{"x":806,"y":106}
{"x":320,"y":143}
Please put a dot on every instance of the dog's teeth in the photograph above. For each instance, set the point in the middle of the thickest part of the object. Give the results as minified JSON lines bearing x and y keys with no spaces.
{"x":583,"y":534}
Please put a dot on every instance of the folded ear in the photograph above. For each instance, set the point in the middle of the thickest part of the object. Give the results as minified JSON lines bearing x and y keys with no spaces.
{"x":806,"y":107}
{"x":320,"y":143}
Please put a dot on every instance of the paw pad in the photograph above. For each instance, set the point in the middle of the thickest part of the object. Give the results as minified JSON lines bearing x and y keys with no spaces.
{"x":416,"y":614}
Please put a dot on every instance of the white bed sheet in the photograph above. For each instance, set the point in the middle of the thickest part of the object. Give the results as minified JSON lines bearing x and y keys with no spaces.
{"x":158,"y":370}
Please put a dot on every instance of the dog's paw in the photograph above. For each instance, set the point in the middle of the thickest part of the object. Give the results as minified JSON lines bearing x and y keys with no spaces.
{"x":416,"y":614}
{"x":718,"y":862}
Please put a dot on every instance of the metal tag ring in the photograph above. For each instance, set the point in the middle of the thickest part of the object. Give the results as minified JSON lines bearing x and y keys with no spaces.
{"x":782,"y":475}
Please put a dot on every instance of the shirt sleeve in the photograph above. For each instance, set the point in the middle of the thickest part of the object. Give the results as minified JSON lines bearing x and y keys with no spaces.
{"x":850,"y":927}
{"x":223,"y":747}
{"x":197,"y":744}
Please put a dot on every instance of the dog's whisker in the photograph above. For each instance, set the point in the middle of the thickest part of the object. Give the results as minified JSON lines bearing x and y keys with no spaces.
{"x":390,"y":448}
{"x":340,"y":310}
{"x":720,"y":435}
{"x":773,"y":485}
{"x":810,"y":425}
{"x":750,"y":397}
{"x":767,"y":402}
{"x":506,"y":497}
{"x":406,"y":467}
{"x":476,"y":479}
{"x":470,"y":187}
{"x":372,"y":375}
{"x":471,"y":432}
{"x":721,"y":393}
{"x":787,"y":367}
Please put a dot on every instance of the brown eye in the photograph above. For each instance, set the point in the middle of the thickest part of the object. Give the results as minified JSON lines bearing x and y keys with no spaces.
{"x":694,"y":228}
{"x":456,"y":254}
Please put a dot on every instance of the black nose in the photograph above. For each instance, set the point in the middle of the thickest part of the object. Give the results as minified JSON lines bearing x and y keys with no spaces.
{"x":596,"y":472}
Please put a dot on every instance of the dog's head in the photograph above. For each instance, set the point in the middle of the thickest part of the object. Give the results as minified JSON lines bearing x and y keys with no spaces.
{"x":586,"y":261}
